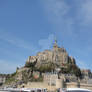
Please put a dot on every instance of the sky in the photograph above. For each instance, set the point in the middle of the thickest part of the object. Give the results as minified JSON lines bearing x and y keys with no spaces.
{"x":30,"y":26}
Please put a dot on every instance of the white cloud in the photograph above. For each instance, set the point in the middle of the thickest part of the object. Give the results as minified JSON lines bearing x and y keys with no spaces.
{"x":57,"y":7}
{"x":46,"y":43}
{"x":65,"y":17}
{"x":58,"y":12}
{"x":85,"y":12}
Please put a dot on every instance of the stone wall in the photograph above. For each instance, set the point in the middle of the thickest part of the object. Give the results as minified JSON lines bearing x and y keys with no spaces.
{"x":87,"y":86}
{"x":72,"y":85}
{"x":39,"y":85}
{"x":81,"y":85}
{"x":59,"y":84}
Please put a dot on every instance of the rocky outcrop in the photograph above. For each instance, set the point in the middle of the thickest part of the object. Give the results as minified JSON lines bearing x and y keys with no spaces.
{"x":31,"y":59}
{"x":71,"y":60}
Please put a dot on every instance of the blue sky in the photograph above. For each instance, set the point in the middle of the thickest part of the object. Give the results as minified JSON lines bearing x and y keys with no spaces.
{"x":29,"y":26}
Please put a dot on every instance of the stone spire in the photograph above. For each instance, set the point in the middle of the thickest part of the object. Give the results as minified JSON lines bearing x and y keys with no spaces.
{"x":55,"y":43}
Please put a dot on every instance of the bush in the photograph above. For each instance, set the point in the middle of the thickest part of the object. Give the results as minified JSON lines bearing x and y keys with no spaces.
{"x":72,"y":69}
{"x":47,"y":67}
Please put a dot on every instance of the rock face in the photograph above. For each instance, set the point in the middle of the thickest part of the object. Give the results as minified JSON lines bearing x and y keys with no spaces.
{"x":31,"y":59}
{"x":56,"y":55}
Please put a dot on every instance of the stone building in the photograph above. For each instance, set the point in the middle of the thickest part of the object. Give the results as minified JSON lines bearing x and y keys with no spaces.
{"x":50,"y":78}
{"x":86,"y":73}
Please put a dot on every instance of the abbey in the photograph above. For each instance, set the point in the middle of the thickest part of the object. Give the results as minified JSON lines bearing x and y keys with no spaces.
{"x":56,"y":55}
